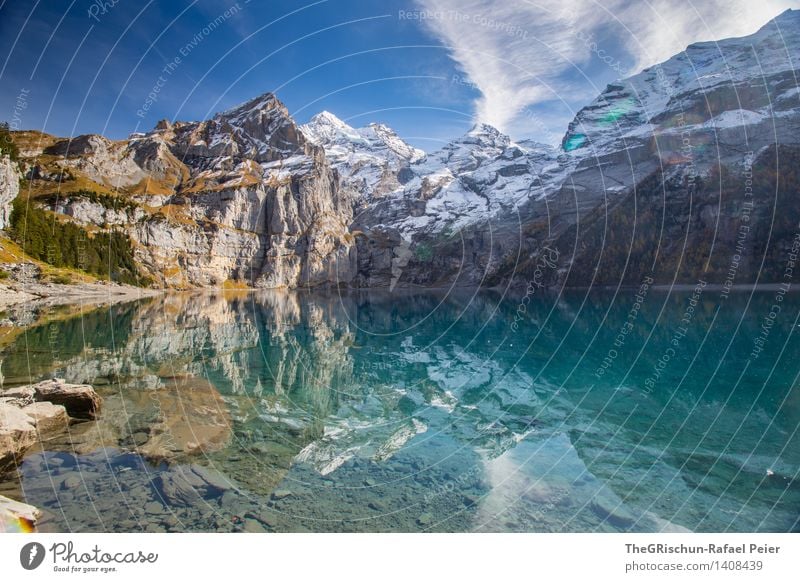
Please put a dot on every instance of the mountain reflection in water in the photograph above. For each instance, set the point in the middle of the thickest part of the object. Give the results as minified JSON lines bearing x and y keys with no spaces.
{"x":278,"y":411}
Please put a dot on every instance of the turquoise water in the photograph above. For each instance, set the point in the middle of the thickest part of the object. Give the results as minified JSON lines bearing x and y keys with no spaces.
{"x":427,"y":412}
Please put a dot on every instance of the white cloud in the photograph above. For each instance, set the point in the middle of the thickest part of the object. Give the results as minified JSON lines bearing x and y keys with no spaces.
{"x":519,"y":53}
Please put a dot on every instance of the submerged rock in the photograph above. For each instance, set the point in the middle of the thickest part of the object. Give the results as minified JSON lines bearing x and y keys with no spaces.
{"x":185,"y":486}
{"x":71,"y":482}
{"x":611,"y":511}
{"x":191,"y":417}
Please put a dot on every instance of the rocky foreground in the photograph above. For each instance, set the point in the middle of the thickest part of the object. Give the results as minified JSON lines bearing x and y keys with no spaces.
{"x":30,"y":414}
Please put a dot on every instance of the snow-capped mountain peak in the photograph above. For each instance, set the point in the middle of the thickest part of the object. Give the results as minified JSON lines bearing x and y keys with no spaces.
{"x":706,"y":85}
{"x":368,"y":158}
{"x":483,"y":130}
{"x":325,"y":128}
{"x":485,"y":135}
{"x":387,"y":136}
{"x":266,"y":103}
{"x":328,"y":118}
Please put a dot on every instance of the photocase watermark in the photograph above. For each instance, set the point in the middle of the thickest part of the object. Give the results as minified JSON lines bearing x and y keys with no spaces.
{"x":95,"y":559}
{"x":172,"y":66}
{"x":67,"y":559}
{"x":15,"y":123}
{"x":503,"y":27}
{"x":100,"y":8}
{"x":677,"y":338}
{"x":82,"y":249}
{"x":547,"y":260}
{"x":20,"y":105}
{"x":378,"y":366}
{"x":550,"y":504}
{"x":32,"y":555}
{"x":53,"y":340}
{"x":687,"y":149}
{"x":622,"y":336}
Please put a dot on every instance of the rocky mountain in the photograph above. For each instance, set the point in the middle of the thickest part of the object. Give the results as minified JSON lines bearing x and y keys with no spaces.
{"x":241,"y":198}
{"x":686,"y":170}
{"x":656,"y":177}
{"x":478,"y":180}
{"x":369,"y":159}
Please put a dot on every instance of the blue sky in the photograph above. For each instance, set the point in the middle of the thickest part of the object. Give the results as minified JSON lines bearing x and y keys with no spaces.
{"x":428,"y":68}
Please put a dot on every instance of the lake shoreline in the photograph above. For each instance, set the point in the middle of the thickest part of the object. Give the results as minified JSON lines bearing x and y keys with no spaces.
{"x":54,"y":294}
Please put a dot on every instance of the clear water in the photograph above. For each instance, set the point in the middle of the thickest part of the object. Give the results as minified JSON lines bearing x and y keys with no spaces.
{"x":424,"y":412}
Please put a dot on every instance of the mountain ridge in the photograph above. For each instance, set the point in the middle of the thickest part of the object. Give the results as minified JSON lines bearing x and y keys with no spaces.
{"x":249,"y":197}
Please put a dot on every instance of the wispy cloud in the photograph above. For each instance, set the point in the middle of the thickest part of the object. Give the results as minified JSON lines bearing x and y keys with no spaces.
{"x":519,"y":53}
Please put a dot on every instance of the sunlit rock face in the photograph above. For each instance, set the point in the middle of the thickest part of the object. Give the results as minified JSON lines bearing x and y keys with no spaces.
{"x":266,"y":199}
{"x":9,"y":187}
{"x":241,"y":197}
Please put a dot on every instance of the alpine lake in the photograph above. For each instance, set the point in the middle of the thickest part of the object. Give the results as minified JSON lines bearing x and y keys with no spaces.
{"x":454,"y":411}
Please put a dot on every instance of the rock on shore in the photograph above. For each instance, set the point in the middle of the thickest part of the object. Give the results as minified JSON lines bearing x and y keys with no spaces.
{"x":17,"y":433}
{"x":16,"y":516}
{"x":28,"y":413}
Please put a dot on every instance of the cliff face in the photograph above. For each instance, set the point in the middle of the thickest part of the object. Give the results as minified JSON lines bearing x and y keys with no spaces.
{"x":9,"y":187}
{"x":241,"y":197}
{"x":684,"y":171}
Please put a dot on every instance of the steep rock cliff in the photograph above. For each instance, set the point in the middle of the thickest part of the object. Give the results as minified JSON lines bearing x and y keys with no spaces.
{"x":240,"y":197}
{"x":9,"y":187}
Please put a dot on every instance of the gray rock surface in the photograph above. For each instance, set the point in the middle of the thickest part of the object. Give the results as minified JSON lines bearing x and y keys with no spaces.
{"x":47,"y":417}
{"x":28,"y":413}
{"x":17,"y":434}
{"x":9,"y":187}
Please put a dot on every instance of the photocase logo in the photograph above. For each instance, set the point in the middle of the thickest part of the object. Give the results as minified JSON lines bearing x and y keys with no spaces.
{"x":31,"y":555}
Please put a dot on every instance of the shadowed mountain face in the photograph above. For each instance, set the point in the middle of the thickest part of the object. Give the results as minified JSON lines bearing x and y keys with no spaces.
{"x":659,"y":176}
{"x":393,"y":412}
